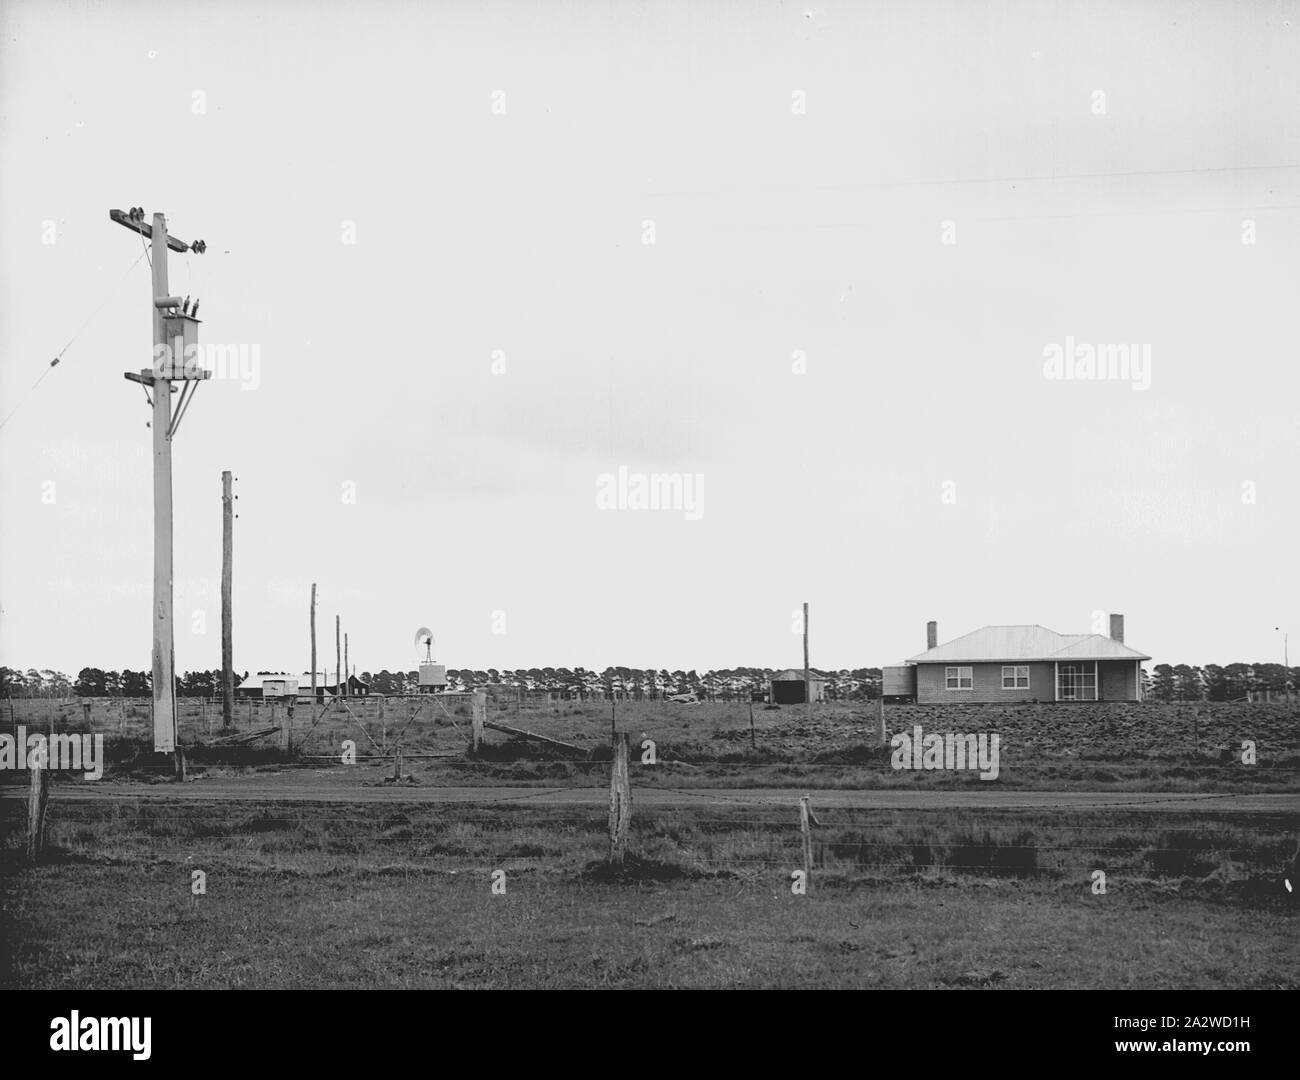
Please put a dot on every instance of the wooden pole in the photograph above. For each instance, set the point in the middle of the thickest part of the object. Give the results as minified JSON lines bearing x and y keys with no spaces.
{"x":346,"y":669}
{"x":37,"y":800}
{"x":338,"y":656}
{"x":620,"y":800}
{"x":313,"y":652}
{"x":805,"y":829}
{"x":478,"y":713}
{"x":880,"y":708}
{"x":508,"y":730}
{"x":164,"y":641}
{"x":227,"y":618}
{"x":753,"y":745}
{"x":807,"y":674}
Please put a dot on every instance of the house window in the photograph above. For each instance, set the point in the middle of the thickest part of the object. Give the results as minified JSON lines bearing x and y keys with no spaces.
{"x":1077,"y":682}
{"x":1015,"y":676}
{"x":958,"y":678}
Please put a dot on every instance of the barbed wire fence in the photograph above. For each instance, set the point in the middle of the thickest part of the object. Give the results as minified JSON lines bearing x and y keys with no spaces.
{"x":696,"y":816}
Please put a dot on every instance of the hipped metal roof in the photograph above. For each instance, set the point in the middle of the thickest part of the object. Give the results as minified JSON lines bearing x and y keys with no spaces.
{"x":796,"y":675}
{"x":992,"y":643}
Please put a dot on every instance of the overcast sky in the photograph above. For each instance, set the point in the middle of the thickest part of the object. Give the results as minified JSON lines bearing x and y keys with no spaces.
{"x":819,"y":256}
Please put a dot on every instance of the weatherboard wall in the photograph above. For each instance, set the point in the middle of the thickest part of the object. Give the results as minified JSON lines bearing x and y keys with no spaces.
{"x":987,"y":679}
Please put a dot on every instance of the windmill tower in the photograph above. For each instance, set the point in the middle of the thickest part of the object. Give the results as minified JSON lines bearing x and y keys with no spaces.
{"x":433,"y":677}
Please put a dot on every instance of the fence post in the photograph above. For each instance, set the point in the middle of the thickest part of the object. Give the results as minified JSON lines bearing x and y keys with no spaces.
{"x":880,"y":708}
{"x":620,"y":800}
{"x":397,"y":763}
{"x":805,"y":828}
{"x":478,"y":711}
{"x":753,"y":745}
{"x":36,"y":803}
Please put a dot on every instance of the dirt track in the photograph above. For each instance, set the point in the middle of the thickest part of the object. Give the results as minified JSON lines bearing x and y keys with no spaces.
{"x":318,"y":788}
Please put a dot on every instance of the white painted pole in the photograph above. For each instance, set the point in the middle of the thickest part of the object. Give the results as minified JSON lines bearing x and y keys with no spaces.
{"x":164,"y":642}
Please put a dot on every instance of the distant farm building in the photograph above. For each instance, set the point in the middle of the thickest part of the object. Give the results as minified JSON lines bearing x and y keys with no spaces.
{"x":1019,"y":663}
{"x":268,"y":684}
{"x":787,"y":687}
{"x":278,"y":684}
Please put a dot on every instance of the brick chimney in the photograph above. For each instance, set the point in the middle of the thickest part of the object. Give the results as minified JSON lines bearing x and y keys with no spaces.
{"x":932,"y":634}
{"x":1117,"y":628}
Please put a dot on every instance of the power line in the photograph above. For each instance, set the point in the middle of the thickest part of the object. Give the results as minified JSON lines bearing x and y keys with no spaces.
{"x":54,"y":363}
{"x":794,"y":189}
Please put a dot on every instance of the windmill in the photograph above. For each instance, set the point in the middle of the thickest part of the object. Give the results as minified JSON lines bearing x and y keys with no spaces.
{"x":433,"y":677}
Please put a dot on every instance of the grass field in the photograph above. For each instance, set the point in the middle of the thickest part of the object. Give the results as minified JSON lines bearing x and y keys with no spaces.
{"x":1149,"y":747}
{"x":400,"y":895}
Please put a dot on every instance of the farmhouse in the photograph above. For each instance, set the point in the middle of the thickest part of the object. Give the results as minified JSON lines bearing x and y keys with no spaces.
{"x":1020,"y":663}
{"x":787,"y":688}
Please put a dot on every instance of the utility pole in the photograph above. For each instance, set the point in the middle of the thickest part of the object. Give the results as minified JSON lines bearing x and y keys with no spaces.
{"x":175,"y":331}
{"x":1286,"y":669}
{"x":227,"y":565}
{"x":313,"y":650}
{"x":346,"y":669}
{"x":807,"y":673}
{"x":338,"y":656}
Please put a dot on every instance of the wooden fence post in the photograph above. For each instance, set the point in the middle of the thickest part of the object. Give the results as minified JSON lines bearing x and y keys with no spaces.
{"x":880,"y":707}
{"x":478,"y":711}
{"x":753,"y":745}
{"x":805,"y":828}
{"x":36,"y":803}
{"x":620,"y":800}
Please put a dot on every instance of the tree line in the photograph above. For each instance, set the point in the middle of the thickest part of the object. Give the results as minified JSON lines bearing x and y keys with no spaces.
{"x":1164,"y":682}
{"x":1212,"y":682}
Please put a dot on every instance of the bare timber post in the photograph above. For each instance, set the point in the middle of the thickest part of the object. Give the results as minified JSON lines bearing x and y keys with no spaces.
{"x":753,"y":744}
{"x":805,"y":828}
{"x":807,"y":673}
{"x":620,"y":800}
{"x":478,"y":710}
{"x":338,"y":655}
{"x":37,"y":800}
{"x":227,"y":618}
{"x":173,"y":321}
{"x":346,"y":677}
{"x":880,"y":707}
{"x":314,"y":715}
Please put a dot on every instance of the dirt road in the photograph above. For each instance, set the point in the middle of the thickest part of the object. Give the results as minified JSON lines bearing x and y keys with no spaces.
{"x":315,"y":787}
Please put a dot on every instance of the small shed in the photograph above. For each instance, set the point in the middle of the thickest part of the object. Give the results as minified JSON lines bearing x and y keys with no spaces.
{"x":787,"y":687}
{"x":268,"y":684}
